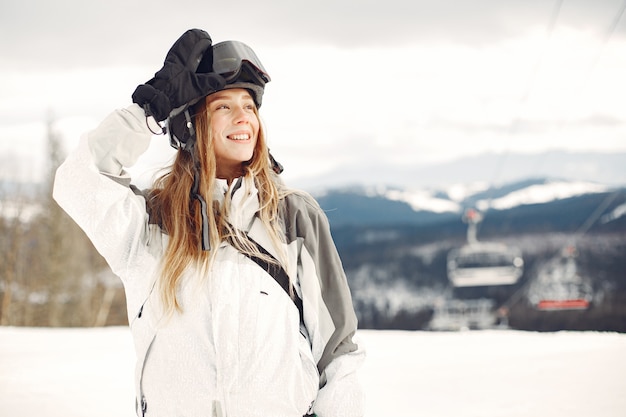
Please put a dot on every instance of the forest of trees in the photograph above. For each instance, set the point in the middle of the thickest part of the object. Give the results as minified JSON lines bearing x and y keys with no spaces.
{"x":50,"y":273}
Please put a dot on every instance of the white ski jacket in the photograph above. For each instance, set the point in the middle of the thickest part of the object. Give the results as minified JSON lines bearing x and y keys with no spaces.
{"x":237,"y":349}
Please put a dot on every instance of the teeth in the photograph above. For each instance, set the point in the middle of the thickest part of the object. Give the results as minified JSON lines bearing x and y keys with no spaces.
{"x":240,"y":137}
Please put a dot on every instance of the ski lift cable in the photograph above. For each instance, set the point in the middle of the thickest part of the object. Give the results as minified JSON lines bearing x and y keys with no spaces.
{"x":610,"y":31}
{"x":556,"y":11}
{"x":579,"y":233}
{"x":517,"y":294}
{"x":552,"y":23}
{"x":607,"y":37}
{"x":514,"y":125}
{"x":612,"y":27}
{"x":595,"y":215}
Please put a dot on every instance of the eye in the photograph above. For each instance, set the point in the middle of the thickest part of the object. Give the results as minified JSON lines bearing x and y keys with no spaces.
{"x":249,"y":104}
{"x":219,"y":106}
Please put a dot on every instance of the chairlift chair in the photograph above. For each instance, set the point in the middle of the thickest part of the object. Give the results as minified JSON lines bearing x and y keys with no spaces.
{"x":484,"y":264}
{"x":559,"y":286}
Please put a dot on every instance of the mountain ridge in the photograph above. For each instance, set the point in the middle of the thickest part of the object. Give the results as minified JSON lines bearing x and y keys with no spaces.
{"x":372,"y":206}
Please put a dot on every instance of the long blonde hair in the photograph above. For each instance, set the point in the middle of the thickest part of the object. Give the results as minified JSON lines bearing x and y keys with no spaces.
{"x":171,"y":205}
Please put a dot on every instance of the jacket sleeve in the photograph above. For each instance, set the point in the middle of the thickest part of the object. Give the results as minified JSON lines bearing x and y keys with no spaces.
{"x":328,"y":312}
{"x":93,"y":188}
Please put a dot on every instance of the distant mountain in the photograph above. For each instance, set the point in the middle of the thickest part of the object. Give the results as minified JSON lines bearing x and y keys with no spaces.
{"x":548,"y":201}
{"x":492,"y":168}
{"x":394,"y":245}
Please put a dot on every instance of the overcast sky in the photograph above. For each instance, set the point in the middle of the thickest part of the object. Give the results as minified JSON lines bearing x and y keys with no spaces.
{"x":353,"y":82}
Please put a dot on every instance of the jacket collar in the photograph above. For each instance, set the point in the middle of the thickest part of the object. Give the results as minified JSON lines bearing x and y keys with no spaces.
{"x":244,"y":200}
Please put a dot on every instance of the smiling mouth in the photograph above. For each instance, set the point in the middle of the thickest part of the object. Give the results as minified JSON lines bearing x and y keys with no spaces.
{"x":239,"y":137}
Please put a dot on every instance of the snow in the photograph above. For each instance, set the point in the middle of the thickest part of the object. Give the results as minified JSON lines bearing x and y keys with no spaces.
{"x":452,"y":199}
{"x":423,"y":201}
{"x":543,"y":193}
{"x":24,"y":212}
{"x":615,"y":214}
{"x":77,"y":372}
{"x":459,"y":192}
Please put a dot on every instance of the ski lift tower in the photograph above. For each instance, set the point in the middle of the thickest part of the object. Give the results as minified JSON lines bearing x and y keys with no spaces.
{"x":472,"y":217}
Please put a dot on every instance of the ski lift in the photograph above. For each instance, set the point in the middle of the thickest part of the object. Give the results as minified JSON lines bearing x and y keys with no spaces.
{"x":558,"y":286}
{"x":483,"y":263}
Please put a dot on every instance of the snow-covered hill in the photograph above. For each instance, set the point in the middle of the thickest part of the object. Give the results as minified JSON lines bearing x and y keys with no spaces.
{"x":542,"y":193}
{"x":452,"y":198}
{"x":386,"y":205}
{"x":88,"y":372}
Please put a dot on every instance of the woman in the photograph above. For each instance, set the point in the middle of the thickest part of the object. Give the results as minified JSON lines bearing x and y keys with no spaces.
{"x":237,"y":300}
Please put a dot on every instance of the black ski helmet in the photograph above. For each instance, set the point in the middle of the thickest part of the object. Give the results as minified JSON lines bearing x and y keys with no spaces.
{"x":240,"y":67}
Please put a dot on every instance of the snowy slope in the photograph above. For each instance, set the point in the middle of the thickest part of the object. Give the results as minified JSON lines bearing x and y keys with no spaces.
{"x":452,"y":199}
{"x":616,"y":213}
{"x":88,"y":372}
{"x":424,"y":200}
{"x":543,"y":193}
{"x":456,"y":198}
{"x":384,"y":206}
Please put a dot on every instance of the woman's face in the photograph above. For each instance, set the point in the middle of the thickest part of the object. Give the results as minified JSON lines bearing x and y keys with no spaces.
{"x":235,"y":129}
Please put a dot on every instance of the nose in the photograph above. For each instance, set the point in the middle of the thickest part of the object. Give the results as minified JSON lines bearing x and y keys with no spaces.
{"x":241,"y":115}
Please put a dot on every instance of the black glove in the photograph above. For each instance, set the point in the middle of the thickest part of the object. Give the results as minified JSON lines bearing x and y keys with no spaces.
{"x":184,"y":79}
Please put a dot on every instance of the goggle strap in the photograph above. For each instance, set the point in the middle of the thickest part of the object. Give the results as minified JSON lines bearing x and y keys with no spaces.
{"x":206,"y":243}
{"x":188,"y":144}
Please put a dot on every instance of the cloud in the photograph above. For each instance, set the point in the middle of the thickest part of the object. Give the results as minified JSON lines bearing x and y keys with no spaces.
{"x":74,"y":33}
{"x":353,"y":81}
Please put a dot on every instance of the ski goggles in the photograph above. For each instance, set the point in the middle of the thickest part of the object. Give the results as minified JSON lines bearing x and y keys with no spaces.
{"x":237,"y":62}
